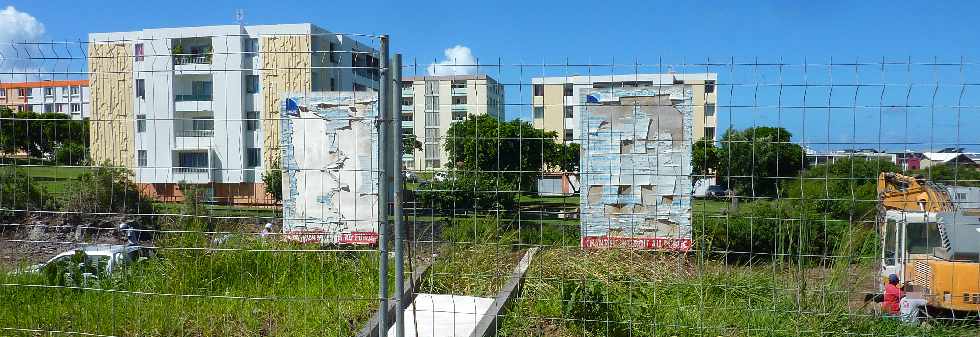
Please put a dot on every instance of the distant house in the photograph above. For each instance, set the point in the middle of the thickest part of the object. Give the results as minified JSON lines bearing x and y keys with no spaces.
{"x":908,"y":161}
{"x":947,"y":158}
{"x":817,"y":158}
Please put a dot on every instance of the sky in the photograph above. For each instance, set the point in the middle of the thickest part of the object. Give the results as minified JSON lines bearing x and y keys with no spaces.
{"x":908,"y":102}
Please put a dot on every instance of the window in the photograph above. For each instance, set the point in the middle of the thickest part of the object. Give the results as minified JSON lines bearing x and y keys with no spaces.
{"x":567,"y":89}
{"x":334,"y":56}
{"x":538,"y":89}
{"x":3,"y":93}
{"x":407,"y":117}
{"x":251,"y":46}
{"x":432,"y":163}
{"x":253,"y":157}
{"x":141,"y":158}
{"x":431,"y":103}
{"x":709,"y":133}
{"x":459,"y":84}
{"x":140,"y":123}
{"x":569,"y":112}
{"x":202,"y":90}
{"x":202,"y":124}
{"x":432,"y":151}
{"x":709,"y":86}
{"x":459,"y":100}
{"x":60,"y":107}
{"x":709,"y":110}
{"x":459,"y":115}
{"x":48,"y":92}
{"x":138,"y":51}
{"x":333,"y":84}
{"x":141,"y":88}
{"x":960,"y":196}
{"x":407,"y":101}
{"x":76,"y":107}
{"x":359,"y":87}
{"x":569,"y":134}
{"x":49,"y":107}
{"x":75,"y":90}
{"x":431,"y":87}
{"x":252,"y":84}
{"x":192,"y":159}
{"x":23,"y":92}
{"x":431,"y":119}
{"x":538,"y":112}
{"x":431,"y":135}
{"x":251,"y":120}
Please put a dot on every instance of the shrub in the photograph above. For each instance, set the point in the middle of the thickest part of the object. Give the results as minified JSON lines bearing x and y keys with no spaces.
{"x":845,"y":189}
{"x":107,"y":190}
{"x":272,"y":179}
{"x":193,"y":209}
{"x":468,"y":192}
{"x":71,"y":154}
{"x":19,"y":192}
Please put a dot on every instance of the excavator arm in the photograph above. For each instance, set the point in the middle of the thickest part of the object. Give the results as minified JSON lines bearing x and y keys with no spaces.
{"x":901,"y":192}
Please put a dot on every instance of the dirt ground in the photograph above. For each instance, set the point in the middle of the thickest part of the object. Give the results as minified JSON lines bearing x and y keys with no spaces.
{"x":36,"y":240}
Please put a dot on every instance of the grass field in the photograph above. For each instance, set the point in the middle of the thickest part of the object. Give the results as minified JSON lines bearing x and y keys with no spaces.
{"x":260,"y":289}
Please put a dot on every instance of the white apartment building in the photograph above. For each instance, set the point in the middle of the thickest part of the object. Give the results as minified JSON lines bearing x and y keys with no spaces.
{"x":430,"y":104}
{"x":200,"y":105}
{"x":70,"y":97}
{"x":557,"y":101}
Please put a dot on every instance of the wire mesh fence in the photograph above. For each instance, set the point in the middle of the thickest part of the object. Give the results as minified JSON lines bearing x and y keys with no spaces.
{"x":288,"y":181}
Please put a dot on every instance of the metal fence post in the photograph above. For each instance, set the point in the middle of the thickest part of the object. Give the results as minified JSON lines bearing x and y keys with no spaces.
{"x":396,"y":166}
{"x":384,"y":104}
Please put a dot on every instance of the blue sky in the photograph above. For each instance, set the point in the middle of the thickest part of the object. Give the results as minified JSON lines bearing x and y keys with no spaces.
{"x":521,"y":35}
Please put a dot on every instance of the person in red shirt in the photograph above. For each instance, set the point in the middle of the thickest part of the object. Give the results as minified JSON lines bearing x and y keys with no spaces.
{"x":893,"y":294}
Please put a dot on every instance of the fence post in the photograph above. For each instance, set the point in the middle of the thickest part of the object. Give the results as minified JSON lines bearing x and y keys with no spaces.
{"x":396,"y":166}
{"x":384,"y":105}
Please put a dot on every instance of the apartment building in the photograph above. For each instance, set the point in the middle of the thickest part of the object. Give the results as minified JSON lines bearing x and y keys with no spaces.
{"x":70,"y":97}
{"x":430,"y":104}
{"x":200,"y":105}
{"x":557,"y":101}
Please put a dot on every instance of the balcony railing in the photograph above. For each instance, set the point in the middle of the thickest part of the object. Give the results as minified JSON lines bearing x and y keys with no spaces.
{"x":461,"y":91}
{"x":459,"y":107}
{"x":192,"y":59}
{"x":195,"y":133}
{"x":408,"y":91}
{"x":198,"y":97}
{"x":179,"y":170}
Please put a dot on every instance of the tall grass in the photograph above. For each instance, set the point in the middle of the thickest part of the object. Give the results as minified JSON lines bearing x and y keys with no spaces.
{"x":570,"y":292}
{"x":255,"y":289}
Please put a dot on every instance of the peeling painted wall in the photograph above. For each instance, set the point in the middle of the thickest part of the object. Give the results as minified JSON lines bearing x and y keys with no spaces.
{"x":112,"y":122}
{"x":636,"y":167}
{"x":331,"y":160}
{"x":286,"y":67}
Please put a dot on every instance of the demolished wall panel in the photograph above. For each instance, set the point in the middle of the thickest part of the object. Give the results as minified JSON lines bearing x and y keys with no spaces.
{"x":636,"y":167}
{"x":329,"y":144}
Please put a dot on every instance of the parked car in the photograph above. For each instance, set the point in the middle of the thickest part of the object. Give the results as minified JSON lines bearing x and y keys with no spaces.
{"x":716,"y":191}
{"x":100,"y":259}
{"x":410,"y":176}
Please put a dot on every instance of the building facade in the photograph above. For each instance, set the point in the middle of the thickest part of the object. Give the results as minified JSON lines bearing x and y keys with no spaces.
{"x":556,"y":103}
{"x":430,"y":104}
{"x":200,"y":105}
{"x":70,"y":97}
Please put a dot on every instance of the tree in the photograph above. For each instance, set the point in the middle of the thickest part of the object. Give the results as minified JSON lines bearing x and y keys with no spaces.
{"x":107,"y":189}
{"x":754,"y":160}
{"x":515,"y":150}
{"x":951,"y":174}
{"x":19,"y":192}
{"x":39,"y":134}
{"x":845,"y":189}
{"x":704,"y":159}
{"x":567,"y":157}
{"x":410,"y":143}
{"x":272,"y":178}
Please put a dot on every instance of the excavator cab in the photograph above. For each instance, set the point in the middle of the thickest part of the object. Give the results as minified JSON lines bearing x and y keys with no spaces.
{"x":905,"y":238}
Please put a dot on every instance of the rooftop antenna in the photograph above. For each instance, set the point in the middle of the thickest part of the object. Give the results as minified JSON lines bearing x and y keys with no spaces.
{"x":240,"y":16}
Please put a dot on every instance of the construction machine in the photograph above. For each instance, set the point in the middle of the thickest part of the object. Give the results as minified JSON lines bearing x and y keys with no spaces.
{"x":932,"y":245}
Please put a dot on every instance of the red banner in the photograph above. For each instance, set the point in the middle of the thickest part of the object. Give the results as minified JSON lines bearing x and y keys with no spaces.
{"x":666,"y":244}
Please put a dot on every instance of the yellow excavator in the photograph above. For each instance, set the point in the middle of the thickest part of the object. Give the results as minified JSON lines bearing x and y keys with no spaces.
{"x":930,"y":244}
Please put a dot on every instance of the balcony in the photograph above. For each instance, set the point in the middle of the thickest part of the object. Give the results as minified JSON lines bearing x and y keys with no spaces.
{"x":191,"y":51}
{"x":408,"y":124}
{"x":193,"y":166}
{"x":460,"y":91}
{"x":195,"y":133}
{"x":458,"y":107}
{"x":408,"y":91}
{"x":408,"y":108}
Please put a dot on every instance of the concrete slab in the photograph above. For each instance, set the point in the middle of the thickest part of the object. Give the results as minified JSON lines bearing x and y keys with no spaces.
{"x":439,"y":315}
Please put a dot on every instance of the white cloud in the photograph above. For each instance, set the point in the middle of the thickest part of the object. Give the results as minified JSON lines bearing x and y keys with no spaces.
{"x":15,"y":62}
{"x":17,"y":26}
{"x":459,"y":61}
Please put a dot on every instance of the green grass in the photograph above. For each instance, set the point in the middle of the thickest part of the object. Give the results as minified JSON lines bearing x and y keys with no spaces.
{"x":263,"y":289}
{"x":53,"y":179}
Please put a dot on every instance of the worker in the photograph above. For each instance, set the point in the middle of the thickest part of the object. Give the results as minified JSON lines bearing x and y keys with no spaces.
{"x":267,"y":230}
{"x":893,"y":294}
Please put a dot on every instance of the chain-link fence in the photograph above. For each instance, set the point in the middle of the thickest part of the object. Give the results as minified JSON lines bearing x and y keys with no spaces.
{"x":284,"y":180}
